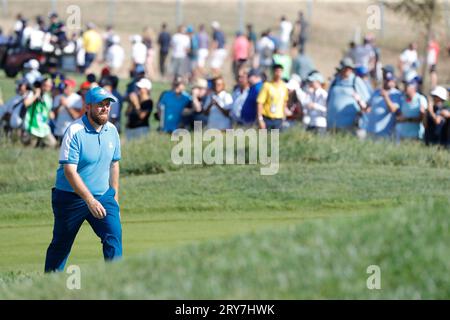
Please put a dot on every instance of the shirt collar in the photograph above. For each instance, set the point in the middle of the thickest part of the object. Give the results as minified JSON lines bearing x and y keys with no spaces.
{"x":90,"y":128}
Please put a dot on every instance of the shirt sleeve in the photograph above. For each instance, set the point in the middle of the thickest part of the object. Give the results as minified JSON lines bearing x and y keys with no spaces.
{"x":70,"y":148}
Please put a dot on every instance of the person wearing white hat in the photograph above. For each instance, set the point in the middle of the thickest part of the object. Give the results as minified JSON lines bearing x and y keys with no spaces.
{"x":115,"y":54}
{"x":437,"y":118}
{"x":31,"y":67}
{"x":139,"y":110}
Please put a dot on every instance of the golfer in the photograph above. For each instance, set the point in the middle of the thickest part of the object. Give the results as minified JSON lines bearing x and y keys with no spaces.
{"x":87,"y":183}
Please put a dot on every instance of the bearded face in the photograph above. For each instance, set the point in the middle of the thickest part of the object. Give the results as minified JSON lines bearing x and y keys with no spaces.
{"x":99,"y":112}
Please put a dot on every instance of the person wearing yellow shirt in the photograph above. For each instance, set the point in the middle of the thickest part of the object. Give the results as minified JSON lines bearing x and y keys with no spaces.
{"x":92,"y":42}
{"x":272,"y":101}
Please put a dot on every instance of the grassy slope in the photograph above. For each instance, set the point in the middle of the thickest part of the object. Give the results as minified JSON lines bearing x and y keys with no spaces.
{"x":327,"y":178}
{"x":317,"y":259}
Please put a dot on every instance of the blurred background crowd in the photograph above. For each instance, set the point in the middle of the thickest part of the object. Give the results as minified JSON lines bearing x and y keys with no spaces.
{"x":257,"y":78}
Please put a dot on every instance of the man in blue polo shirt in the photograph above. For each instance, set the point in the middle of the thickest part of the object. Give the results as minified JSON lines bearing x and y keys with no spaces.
{"x":172,"y":105}
{"x":87,"y":183}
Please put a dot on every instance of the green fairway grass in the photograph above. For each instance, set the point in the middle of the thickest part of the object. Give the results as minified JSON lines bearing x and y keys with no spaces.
{"x":336,"y":206}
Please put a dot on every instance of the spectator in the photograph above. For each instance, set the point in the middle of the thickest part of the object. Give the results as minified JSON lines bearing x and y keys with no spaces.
{"x":108,"y":40}
{"x":409,"y":112}
{"x":148,"y":42}
{"x":351,"y":53}
{"x":14,"y":110}
{"x":135,"y":75}
{"x":193,"y":51}
{"x":37,"y":36}
{"x":285,"y":33}
{"x":315,"y":104}
{"x":138,"y":52}
{"x":203,"y":52}
{"x":31,"y":70}
{"x":180,"y":45}
{"x":164,"y":45}
{"x":265,"y":49}
{"x":380,"y":119}
{"x":364,"y":55}
{"x":219,"y":52}
{"x":251,"y":36}
{"x":239,"y":96}
{"x":293,"y":107}
{"x":171,"y":105}
{"x":19,"y":26}
{"x":241,"y":52}
{"x":110,"y":83}
{"x":55,"y":23}
{"x":250,"y":106}
{"x":346,"y":97}
{"x":301,"y":32}
{"x":80,"y":52}
{"x":219,"y":106}
{"x":39,"y":105}
{"x":199,"y":100}
{"x":92,"y":42}
{"x":432,"y":59}
{"x":115,"y":55}
{"x":302,"y":65}
{"x":67,"y":108}
{"x":437,"y":116}
{"x":272,"y":101}
{"x":409,"y":62}
{"x":139,"y":110}
{"x":282,"y":58}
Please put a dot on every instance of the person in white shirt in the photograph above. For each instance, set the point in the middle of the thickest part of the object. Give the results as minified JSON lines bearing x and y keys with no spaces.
{"x":37,"y":37}
{"x":314,"y":104}
{"x":409,"y":62}
{"x":115,"y":55}
{"x":138,"y":51}
{"x":180,"y":45}
{"x":285,"y":33}
{"x":219,"y":107}
{"x":67,"y":107}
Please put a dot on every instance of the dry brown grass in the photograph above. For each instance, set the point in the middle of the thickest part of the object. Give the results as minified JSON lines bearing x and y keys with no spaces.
{"x":333,"y":23}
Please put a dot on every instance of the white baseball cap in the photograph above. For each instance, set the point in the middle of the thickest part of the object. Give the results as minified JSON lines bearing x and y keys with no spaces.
{"x":215,"y":24}
{"x":293,"y":85}
{"x":115,"y":39}
{"x":440,"y":92}
{"x":32,"y":64}
{"x":136,"y":38}
{"x":144,"y":84}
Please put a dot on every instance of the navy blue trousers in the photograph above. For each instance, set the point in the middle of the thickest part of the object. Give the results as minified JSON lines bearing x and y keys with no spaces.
{"x":70,"y":211}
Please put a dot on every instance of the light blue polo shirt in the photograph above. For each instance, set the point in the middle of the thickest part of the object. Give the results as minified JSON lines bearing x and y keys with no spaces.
{"x":342,"y":107}
{"x":380,"y":120}
{"x":411,"y":109}
{"x":92,"y":151}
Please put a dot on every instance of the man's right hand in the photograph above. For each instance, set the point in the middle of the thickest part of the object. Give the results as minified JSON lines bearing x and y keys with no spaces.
{"x":262,"y":124}
{"x":96,"y":208}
